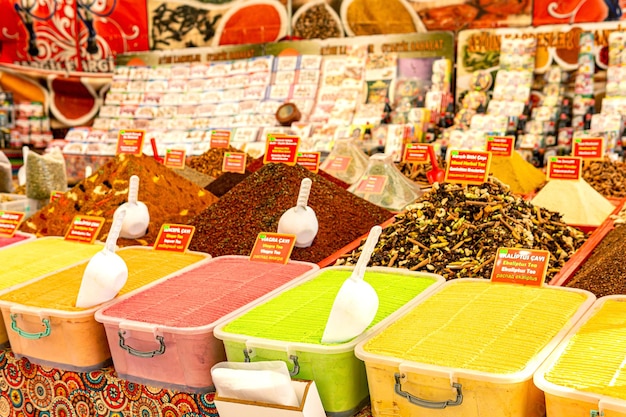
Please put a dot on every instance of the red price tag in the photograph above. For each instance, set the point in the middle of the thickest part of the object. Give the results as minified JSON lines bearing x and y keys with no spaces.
{"x":130,"y":141}
{"x":273,"y":248}
{"x":55,"y":195}
{"x":416,"y":153}
{"x":520,"y":266}
{"x":468,"y":167}
{"x":174,"y":158}
{"x":234,"y":162}
{"x":220,"y":138}
{"x":309,"y":160}
{"x":372,"y":184}
{"x":564,"y":168}
{"x":174,"y":237}
{"x":281,"y":149}
{"x":338,"y":163}
{"x":84,"y":229}
{"x":9,"y":222}
{"x":588,"y":148}
{"x":500,"y":145}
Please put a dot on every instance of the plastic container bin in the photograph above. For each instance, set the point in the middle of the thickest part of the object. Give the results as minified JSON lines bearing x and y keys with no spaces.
{"x":45,"y":326}
{"x":16,"y":238}
{"x":31,"y":259}
{"x":585,"y":375}
{"x":163,"y":335}
{"x":20,"y":203}
{"x":290,"y":325}
{"x":469,"y":349}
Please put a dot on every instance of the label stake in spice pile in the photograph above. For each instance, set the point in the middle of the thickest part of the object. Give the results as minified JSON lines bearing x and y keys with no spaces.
{"x":456,"y":230}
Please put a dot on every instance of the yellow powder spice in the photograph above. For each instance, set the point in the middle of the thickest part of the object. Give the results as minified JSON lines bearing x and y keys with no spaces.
{"x":517,"y":173}
{"x":375,"y":17}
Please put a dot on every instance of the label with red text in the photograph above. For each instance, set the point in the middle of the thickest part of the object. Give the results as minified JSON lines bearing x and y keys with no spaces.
{"x":84,"y":229}
{"x":500,"y":145}
{"x":338,"y":163}
{"x":55,"y":195}
{"x":309,"y":160}
{"x":372,"y":184}
{"x":174,"y":237}
{"x":281,"y":149}
{"x":588,"y":148}
{"x":220,"y":138}
{"x":416,"y":153}
{"x":520,"y":266}
{"x":468,"y":167}
{"x":234,"y":162}
{"x":174,"y":158}
{"x":9,"y":222}
{"x":273,"y":247}
{"x":564,"y":168}
{"x":130,"y":141}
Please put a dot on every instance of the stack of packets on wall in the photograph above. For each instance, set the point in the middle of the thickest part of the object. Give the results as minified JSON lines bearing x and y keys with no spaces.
{"x":584,"y":101}
{"x":31,"y":126}
{"x":614,"y":104}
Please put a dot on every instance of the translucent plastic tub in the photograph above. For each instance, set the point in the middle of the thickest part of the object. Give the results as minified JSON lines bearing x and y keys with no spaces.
{"x":290,"y":325}
{"x":586,"y":373}
{"x":163,"y":335}
{"x":469,"y":349}
{"x":45,"y":326}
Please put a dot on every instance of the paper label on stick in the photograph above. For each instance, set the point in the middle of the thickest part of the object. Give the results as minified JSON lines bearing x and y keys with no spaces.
{"x":84,"y":229}
{"x":130,"y":141}
{"x":309,"y":160}
{"x":338,"y":163}
{"x":372,"y":184}
{"x":281,"y":149}
{"x":520,"y":266}
{"x":468,"y":167}
{"x":9,"y":222}
{"x":174,"y":158}
{"x":273,"y":247}
{"x":220,"y":138}
{"x":174,"y":237}
{"x":55,"y":195}
{"x":588,"y":148}
{"x":500,"y":145}
{"x":416,"y":153}
{"x":564,"y":168}
{"x":234,"y":162}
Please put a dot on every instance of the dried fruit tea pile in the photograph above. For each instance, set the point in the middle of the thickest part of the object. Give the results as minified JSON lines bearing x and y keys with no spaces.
{"x":210,"y":162}
{"x":170,"y":199}
{"x":255,"y":205}
{"x":607,"y":177}
{"x":455,"y":231}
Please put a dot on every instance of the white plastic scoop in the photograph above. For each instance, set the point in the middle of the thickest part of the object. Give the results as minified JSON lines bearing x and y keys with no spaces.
{"x":301,"y":219}
{"x":137,"y":216}
{"x":106,"y":272}
{"x":356,"y":303}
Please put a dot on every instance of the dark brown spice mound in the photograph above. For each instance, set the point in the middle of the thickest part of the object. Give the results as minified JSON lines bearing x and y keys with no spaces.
{"x":604,"y":272}
{"x":169,"y":197}
{"x":255,"y":205}
{"x":210,"y":162}
{"x":225,"y":182}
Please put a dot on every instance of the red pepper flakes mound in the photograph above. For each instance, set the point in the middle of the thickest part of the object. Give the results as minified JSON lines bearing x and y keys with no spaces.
{"x":258,"y":163}
{"x":169,"y":197}
{"x":230,"y":226}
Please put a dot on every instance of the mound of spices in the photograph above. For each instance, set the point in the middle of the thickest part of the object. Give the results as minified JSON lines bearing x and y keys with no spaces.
{"x":520,"y":175}
{"x":210,"y":162}
{"x":198,"y":178}
{"x":255,"y":205}
{"x":456,"y":230}
{"x":417,"y":172}
{"x":577,"y":201}
{"x":225,"y":182}
{"x":257,"y":164}
{"x":606,"y":177}
{"x":170,"y":199}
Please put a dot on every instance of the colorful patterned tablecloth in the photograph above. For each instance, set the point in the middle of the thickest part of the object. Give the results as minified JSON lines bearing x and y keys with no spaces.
{"x":29,"y":390}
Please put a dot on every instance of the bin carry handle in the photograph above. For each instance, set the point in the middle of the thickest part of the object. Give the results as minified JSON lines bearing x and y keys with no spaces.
{"x":28,"y":335}
{"x":426,"y":403}
{"x":139,"y":353}
{"x":294,"y":359}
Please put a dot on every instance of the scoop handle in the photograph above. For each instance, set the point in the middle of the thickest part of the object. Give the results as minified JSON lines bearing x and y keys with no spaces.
{"x":366,"y":253}
{"x":25,"y":150}
{"x":116,"y":227}
{"x":133,"y":189}
{"x":88,"y":171}
{"x":305,"y":190}
{"x":433,"y":158}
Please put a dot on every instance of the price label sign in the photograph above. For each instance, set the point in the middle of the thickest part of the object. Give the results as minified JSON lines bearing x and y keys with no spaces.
{"x":281,"y":149}
{"x":588,"y":148}
{"x":468,"y":167}
{"x":220,"y":138}
{"x":84,"y":229}
{"x":130,"y":141}
{"x":520,"y":266}
{"x":416,"y":153}
{"x":309,"y":160}
{"x":9,"y":222}
{"x":338,"y":163}
{"x":174,"y":237}
{"x":500,"y":145}
{"x":55,"y":195}
{"x":273,"y":248}
{"x":174,"y":158}
{"x":372,"y":184}
{"x":564,"y":168}
{"x":234,"y":162}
